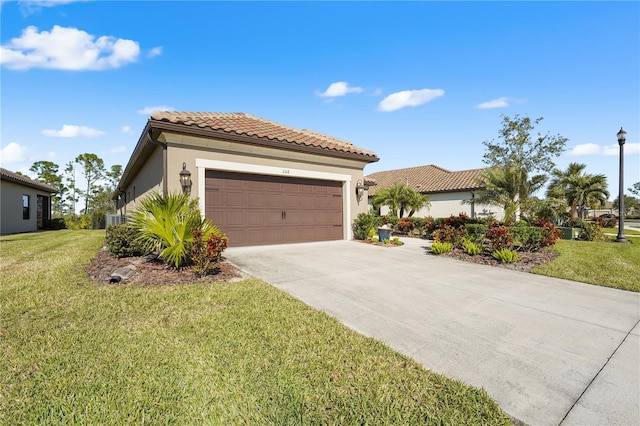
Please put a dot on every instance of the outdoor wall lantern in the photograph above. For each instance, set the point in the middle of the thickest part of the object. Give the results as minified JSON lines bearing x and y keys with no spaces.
{"x":360,"y":188}
{"x":185,"y":179}
{"x":622,"y":138}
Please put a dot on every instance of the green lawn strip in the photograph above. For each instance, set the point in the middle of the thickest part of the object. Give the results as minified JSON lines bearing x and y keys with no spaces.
{"x":606,"y":264}
{"x":614,"y":231}
{"x":74,"y":352}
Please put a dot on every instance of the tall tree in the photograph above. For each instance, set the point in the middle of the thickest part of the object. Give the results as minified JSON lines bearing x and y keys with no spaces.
{"x":521,"y":155}
{"x":630,"y":203}
{"x":48,"y":172}
{"x":72,"y":189}
{"x":93,"y":169}
{"x":113,"y":176}
{"x":635,"y":189}
{"x":578,"y":189}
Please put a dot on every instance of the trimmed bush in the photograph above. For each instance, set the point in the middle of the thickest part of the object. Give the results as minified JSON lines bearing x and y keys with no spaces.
{"x":405,"y":225}
{"x":591,"y":232}
{"x":449,"y":234}
{"x":552,"y":233}
{"x":54,"y":224}
{"x":506,"y":256}
{"x":440,"y":248}
{"x":363,"y":224}
{"x":499,"y":238}
{"x":206,"y":252}
{"x":528,"y":238}
{"x":123,"y":241}
{"x":476,"y":232}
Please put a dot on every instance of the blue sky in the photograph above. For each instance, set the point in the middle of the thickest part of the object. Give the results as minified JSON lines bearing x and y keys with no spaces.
{"x":418,"y":83}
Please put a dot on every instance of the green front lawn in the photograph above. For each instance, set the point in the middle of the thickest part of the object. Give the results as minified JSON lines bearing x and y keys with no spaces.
{"x":76,"y":352}
{"x":606,"y":264}
{"x":632,"y":232}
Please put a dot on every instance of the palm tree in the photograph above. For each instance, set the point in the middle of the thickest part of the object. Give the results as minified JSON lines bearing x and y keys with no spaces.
{"x":399,"y":197}
{"x":579,"y":189}
{"x":509,"y":188}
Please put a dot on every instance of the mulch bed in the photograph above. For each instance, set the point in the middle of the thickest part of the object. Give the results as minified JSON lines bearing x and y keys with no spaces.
{"x":156,"y":272}
{"x":526,"y":260}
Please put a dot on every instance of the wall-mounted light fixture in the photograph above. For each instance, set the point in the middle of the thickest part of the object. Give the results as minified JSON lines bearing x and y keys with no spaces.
{"x":360,"y":188}
{"x":185,"y":179}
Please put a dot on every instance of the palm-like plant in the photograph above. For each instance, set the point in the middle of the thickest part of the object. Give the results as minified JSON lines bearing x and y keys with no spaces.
{"x":166,"y":223}
{"x":509,"y":188}
{"x":579,"y":189}
{"x":400,"y":197}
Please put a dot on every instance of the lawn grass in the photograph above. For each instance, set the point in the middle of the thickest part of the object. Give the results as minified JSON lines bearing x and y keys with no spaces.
{"x":632,"y":232}
{"x":76,"y":352}
{"x":606,"y":264}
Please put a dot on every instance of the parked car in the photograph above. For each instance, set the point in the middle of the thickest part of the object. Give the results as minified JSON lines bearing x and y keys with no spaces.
{"x":607,"y":216}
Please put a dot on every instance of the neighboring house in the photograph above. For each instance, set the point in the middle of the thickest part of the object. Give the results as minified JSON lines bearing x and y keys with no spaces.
{"x":26,"y":203}
{"x":446,"y":190}
{"x":259,"y":181}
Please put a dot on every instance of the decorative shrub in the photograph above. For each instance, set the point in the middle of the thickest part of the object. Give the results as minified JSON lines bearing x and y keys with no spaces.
{"x":386,"y":241}
{"x":499,"y":238}
{"x":418,"y":225}
{"x":374,"y":239}
{"x":405,"y":225}
{"x":439,"y":248}
{"x":76,"y":222}
{"x":528,"y":238}
{"x":389,"y":220}
{"x":124,"y":241}
{"x":54,"y":224}
{"x":600,"y":221}
{"x":397,"y":242}
{"x":449,"y":234}
{"x":551,"y":232}
{"x":591,"y":232}
{"x":471,"y":248}
{"x":610,"y":222}
{"x":363,"y":224}
{"x":205,"y":253}
{"x":476,"y":232}
{"x":457,"y":221}
{"x":506,"y":256}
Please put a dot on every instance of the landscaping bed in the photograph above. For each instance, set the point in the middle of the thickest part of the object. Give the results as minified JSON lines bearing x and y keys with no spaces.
{"x":526,"y":260}
{"x":156,"y":272}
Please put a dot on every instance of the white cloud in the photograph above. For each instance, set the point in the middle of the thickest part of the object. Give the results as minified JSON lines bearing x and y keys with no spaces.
{"x":408,"y":98}
{"x":126,"y":129}
{"x":67,"y":49}
{"x":150,"y":109}
{"x":118,"y":150}
{"x":13,"y":153}
{"x":607,"y":150}
{"x":156,"y":51}
{"x":496,"y":103}
{"x":71,"y":131}
{"x":339,"y":88}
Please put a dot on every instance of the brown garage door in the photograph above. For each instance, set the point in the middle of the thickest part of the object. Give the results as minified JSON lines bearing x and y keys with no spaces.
{"x":257,"y":209}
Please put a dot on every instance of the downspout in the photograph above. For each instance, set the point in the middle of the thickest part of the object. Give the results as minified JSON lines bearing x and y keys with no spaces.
{"x":164,"y":163}
{"x":473,"y":205}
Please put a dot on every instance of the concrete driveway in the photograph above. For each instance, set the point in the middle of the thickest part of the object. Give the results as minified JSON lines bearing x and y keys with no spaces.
{"x":548,"y":351}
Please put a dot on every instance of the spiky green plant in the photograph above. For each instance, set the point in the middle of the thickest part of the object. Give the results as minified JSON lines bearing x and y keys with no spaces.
{"x":166,"y":223}
{"x":440,"y":248}
{"x":506,"y":256}
{"x":471,"y":248}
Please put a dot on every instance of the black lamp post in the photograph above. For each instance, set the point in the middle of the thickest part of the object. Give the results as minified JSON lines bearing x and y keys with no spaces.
{"x":622,"y":137}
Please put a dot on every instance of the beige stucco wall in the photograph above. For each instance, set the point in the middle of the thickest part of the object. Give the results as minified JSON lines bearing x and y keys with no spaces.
{"x":147,"y":181}
{"x":450,"y":203}
{"x":11,"y":220}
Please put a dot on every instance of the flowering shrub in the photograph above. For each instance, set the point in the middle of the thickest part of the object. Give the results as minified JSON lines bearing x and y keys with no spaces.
{"x":499,"y":238}
{"x":457,"y":221}
{"x":449,"y":234}
{"x":405,"y":225}
{"x":552,"y":233}
{"x":206,"y":253}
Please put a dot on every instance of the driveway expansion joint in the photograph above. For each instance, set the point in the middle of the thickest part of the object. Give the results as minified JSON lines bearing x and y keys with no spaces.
{"x":598,"y":373}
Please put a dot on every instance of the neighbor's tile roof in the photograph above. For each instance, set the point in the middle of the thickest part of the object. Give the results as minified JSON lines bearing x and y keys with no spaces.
{"x":23,"y":180}
{"x":250,"y":125}
{"x":428,"y":179}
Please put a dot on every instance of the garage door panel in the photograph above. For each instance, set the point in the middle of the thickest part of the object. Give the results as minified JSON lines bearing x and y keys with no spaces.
{"x":255,"y":209}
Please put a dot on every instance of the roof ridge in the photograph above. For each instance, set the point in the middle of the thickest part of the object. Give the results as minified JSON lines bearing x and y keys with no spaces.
{"x":25,"y":179}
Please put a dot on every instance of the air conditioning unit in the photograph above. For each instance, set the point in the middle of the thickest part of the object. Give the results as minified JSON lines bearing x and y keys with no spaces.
{"x":115,"y":219}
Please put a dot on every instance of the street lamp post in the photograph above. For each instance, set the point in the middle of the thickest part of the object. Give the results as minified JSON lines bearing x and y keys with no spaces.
{"x":622,"y":137}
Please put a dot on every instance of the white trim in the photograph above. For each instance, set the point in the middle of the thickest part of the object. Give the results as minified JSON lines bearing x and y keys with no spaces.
{"x":203,"y":164}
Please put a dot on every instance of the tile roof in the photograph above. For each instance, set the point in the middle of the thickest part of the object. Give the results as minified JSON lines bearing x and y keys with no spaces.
{"x":23,"y":180}
{"x":250,"y":125}
{"x":428,"y":179}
